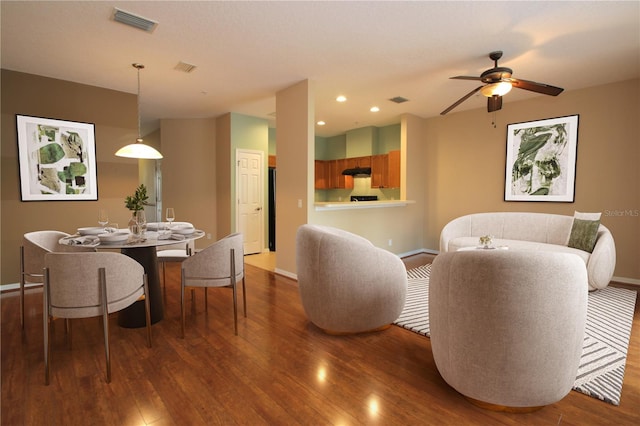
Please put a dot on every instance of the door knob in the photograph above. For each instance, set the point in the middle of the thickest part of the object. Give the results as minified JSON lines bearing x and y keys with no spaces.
{"x":258,"y":209}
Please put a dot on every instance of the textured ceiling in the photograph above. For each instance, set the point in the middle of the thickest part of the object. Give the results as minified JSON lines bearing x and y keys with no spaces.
{"x":369,"y":51}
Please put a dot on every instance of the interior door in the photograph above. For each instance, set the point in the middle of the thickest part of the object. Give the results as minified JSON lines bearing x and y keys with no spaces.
{"x":250,"y":196}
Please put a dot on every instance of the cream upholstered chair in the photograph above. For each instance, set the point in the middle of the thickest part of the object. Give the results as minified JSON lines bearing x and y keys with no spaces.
{"x":83,"y":285}
{"x":172,"y":253}
{"x":219,"y":265}
{"x":346,"y":284}
{"x":34,"y":246}
{"x":507,"y":327}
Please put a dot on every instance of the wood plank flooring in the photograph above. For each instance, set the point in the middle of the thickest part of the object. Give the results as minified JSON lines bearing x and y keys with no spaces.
{"x":279,"y":370}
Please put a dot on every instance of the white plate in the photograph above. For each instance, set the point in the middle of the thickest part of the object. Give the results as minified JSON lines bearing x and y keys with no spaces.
{"x":92,"y":230}
{"x":184,"y":230}
{"x":114,"y":237}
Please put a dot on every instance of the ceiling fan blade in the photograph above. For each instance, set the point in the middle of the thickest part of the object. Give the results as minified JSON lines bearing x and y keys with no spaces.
{"x":494,"y":103}
{"x":532,"y":86}
{"x":461,"y":100}
{"x":465,"y":77}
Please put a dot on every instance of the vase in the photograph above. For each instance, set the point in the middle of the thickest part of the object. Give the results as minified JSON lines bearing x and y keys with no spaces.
{"x":134,"y":227}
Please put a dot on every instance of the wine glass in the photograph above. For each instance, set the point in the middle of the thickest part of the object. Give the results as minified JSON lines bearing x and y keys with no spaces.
{"x":103,"y":218}
{"x":170,"y":215}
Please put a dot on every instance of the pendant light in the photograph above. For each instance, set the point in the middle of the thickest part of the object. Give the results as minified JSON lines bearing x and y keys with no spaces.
{"x":139,"y":149}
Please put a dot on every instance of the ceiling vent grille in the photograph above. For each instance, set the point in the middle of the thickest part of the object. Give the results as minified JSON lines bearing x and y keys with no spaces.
{"x":398,"y":99}
{"x":184,"y":67}
{"x":132,"y":20}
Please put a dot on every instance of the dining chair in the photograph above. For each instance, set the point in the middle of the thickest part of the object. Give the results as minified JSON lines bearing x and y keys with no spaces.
{"x":84,"y":285}
{"x":34,"y":246}
{"x":175,"y":253}
{"x":219,"y":265}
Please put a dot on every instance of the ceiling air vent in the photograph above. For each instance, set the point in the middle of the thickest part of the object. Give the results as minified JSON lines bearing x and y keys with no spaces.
{"x":184,"y":67}
{"x":132,"y":20}
{"x":398,"y":99}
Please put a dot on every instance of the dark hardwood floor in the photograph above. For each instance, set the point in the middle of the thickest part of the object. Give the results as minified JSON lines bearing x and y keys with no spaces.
{"x":279,"y":370}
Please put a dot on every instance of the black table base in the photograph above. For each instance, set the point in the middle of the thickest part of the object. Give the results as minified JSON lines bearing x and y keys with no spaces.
{"x":134,"y":316}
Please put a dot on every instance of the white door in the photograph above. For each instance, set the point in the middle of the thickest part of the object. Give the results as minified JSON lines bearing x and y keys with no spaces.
{"x":249,"y":192}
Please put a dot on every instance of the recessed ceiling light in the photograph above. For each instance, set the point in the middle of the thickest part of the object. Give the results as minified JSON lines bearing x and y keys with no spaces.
{"x":321,"y":123}
{"x":341,"y":98}
{"x":374,"y":109}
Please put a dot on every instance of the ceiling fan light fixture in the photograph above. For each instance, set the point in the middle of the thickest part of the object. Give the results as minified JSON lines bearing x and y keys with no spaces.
{"x":496,"y":89}
{"x":139,"y":149}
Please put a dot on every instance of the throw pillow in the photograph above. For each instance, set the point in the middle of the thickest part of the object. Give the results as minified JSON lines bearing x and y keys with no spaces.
{"x":584,"y":231}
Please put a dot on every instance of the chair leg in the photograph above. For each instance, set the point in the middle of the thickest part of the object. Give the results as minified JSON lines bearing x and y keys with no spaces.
{"x":147,"y":309}
{"x":22,"y":282}
{"x":235,"y":306}
{"x":244,"y":298}
{"x":182,"y":303}
{"x":105,"y":321}
{"x":232,"y":270}
{"x":47,"y":329}
{"x":164,"y":283}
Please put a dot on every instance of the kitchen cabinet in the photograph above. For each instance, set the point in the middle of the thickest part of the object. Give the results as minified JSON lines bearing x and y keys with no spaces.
{"x":272,"y":161}
{"x":322,"y":176}
{"x":394,"y":169}
{"x":336,"y":179}
{"x":385,"y":170}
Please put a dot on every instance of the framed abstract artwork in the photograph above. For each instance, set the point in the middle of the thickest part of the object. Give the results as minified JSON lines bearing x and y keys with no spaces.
{"x":541,"y":160}
{"x":57,"y":160}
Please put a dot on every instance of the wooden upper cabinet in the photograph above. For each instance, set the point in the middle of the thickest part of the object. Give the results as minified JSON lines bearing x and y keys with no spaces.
{"x":385,"y":170}
{"x":272,"y":161}
{"x":379,"y":170}
{"x":322,"y":180}
{"x":394,"y":169}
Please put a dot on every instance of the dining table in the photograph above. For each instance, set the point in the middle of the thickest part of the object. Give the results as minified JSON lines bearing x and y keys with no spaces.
{"x":143,"y":249}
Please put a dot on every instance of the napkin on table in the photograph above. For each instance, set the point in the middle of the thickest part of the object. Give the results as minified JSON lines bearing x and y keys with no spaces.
{"x":86,"y":240}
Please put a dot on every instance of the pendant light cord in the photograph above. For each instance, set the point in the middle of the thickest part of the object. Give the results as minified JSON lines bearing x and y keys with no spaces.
{"x":138,"y":67}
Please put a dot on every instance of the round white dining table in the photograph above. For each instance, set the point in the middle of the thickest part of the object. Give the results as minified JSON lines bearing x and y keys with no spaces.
{"x":142,"y":250}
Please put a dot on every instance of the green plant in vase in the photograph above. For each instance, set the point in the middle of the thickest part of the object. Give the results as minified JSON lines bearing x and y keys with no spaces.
{"x":136,"y":203}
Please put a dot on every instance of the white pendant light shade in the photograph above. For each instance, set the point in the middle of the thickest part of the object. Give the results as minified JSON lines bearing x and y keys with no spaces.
{"x":496,"y":89}
{"x":139,"y":149}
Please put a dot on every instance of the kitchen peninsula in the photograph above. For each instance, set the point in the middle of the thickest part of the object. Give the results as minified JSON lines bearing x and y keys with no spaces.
{"x":350,"y":205}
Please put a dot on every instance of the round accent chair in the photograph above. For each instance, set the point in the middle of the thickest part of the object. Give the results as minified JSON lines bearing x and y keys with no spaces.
{"x":346,"y":284}
{"x":507,"y":327}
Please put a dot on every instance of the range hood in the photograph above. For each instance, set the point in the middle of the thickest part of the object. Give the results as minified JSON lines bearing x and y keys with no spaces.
{"x":357,"y":172}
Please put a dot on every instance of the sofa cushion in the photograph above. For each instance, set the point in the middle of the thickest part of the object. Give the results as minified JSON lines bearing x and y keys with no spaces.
{"x":584,"y":231}
{"x":460,"y":242}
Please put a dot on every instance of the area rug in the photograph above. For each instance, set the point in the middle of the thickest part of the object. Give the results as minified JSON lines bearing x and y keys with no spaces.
{"x":604,"y":353}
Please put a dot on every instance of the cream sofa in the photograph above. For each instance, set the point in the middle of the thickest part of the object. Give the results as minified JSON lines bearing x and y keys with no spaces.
{"x":535,"y":232}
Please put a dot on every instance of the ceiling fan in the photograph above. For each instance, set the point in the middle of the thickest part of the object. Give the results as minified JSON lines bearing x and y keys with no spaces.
{"x":498,"y":82}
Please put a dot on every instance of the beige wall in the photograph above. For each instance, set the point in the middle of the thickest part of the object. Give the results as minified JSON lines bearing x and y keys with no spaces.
{"x":115,"y":118}
{"x":189,"y":173}
{"x":465,"y":163}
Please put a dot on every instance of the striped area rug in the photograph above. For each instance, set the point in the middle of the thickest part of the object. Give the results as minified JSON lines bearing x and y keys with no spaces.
{"x":604,"y":354}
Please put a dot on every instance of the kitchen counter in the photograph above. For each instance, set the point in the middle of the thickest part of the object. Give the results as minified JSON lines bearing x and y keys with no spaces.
{"x":353,"y":205}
